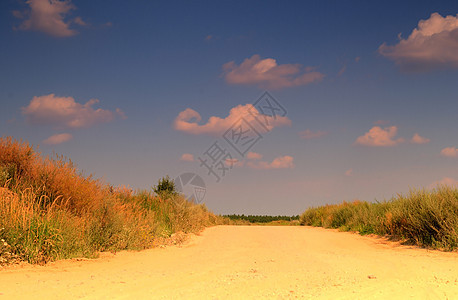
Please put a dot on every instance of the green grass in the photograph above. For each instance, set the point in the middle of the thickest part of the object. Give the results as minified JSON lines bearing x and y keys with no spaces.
{"x":50,"y":211}
{"x":424,"y":218}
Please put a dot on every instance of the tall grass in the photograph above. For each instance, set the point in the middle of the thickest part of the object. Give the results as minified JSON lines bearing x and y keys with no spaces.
{"x":424,"y":218}
{"x":49,"y":211}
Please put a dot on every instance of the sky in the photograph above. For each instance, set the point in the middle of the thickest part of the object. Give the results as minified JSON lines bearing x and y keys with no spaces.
{"x":277,"y":106}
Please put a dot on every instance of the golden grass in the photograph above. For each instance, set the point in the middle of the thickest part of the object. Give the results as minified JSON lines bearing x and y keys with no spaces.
{"x":425,"y":218}
{"x":50,"y":211}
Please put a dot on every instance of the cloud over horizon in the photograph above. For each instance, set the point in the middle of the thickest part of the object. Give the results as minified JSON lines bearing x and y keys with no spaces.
{"x":378,"y":137}
{"x":49,"y":16}
{"x":65,"y":112}
{"x":253,"y":155}
{"x":253,"y":161}
{"x":418,"y":139}
{"x":187,"y":157}
{"x":188,"y":120}
{"x":280,"y":162}
{"x":450,"y":152}
{"x":432,"y":45}
{"x":444,"y":181}
{"x":349,"y":172}
{"x":58,"y":139}
{"x":267,"y":74}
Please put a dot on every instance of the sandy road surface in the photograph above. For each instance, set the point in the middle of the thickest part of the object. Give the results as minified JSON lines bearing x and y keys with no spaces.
{"x":248,"y":262}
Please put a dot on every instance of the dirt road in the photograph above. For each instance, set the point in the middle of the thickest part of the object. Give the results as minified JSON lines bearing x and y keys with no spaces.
{"x":248,"y":262}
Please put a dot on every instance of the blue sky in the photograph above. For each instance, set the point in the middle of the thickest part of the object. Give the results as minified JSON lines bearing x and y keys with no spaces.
{"x":369,"y":90}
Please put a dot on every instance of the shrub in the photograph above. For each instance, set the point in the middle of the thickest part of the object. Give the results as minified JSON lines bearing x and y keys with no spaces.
{"x":165,"y":188}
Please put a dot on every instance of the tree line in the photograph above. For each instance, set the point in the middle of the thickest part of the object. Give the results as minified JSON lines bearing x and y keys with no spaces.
{"x":261,"y":218}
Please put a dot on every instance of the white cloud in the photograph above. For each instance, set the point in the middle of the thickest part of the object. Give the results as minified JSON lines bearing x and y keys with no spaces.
{"x":253,"y":161}
{"x":281,"y":162}
{"x":48,"y":16}
{"x":432,"y":45}
{"x":444,"y":181}
{"x":418,"y":139}
{"x":188,"y":120}
{"x":253,"y":155}
{"x":234,"y":162}
{"x":450,"y":152}
{"x":65,"y":112}
{"x":187,"y":157}
{"x":121,"y":113}
{"x":267,"y":74}
{"x":308,"y":134}
{"x":79,"y":21}
{"x":58,"y":139}
{"x":378,"y":137}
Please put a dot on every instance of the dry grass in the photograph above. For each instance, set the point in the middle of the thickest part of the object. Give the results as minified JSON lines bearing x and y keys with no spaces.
{"x":50,"y":211}
{"x":424,"y":218}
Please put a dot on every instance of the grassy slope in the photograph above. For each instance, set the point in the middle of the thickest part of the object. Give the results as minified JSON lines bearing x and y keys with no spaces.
{"x":50,"y":211}
{"x":424,"y":218}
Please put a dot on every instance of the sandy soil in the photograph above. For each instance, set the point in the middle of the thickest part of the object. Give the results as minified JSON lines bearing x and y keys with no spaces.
{"x":248,"y":262}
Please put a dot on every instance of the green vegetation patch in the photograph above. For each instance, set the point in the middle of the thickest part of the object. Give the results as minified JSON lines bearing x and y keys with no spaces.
{"x":261,"y":219}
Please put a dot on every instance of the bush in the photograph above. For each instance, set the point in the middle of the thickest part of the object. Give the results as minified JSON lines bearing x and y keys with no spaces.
{"x":165,"y":188}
